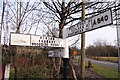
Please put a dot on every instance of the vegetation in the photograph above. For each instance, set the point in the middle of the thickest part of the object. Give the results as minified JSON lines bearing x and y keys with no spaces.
{"x":106,"y":72}
{"x":111,"y":59}
{"x":30,"y":17}
{"x":30,"y":62}
{"x":33,"y":72}
{"x":101,"y":49}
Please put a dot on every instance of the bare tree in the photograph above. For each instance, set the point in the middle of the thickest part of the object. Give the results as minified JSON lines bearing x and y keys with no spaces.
{"x":18,"y":13}
{"x":62,"y":13}
{"x":2,"y":19}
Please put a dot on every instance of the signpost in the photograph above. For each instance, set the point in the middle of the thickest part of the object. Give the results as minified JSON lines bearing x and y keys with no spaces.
{"x":86,"y":25}
{"x":46,"y":41}
{"x":35,"y":40}
{"x":91,"y":23}
{"x":118,"y":41}
{"x":56,"y":53}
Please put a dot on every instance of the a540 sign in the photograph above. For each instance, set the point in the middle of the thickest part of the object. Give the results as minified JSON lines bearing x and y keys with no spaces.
{"x":92,"y":23}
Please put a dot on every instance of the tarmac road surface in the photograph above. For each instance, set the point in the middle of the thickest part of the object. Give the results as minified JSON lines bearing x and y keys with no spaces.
{"x":103,"y":63}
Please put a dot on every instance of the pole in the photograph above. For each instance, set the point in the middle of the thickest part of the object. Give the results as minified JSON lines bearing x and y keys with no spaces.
{"x":66,"y":59}
{"x":82,"y":75}
{"x":118,"y":39}
{"x":118,"y":42}
{"x":119,"y":63}
{"x":1,"y":74}
{"x":1,"y":69}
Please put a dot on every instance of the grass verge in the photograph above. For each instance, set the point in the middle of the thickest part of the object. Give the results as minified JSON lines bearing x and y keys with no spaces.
{"x":111,"y":59}
{"x":106,"y":72}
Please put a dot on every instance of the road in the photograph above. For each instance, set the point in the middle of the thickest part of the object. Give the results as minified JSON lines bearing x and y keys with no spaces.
{"x":103,"y":63}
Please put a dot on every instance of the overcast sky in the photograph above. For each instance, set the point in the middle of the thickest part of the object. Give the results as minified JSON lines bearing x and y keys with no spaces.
{"x":108,"y":34}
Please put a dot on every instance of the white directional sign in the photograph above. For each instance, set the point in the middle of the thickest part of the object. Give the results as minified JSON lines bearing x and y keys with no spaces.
{"x":46,"y":41}
{"x":35,"y":40}
{"x":19,"y":39}
{"x":92,"y":23}
{"x":56,"y":53}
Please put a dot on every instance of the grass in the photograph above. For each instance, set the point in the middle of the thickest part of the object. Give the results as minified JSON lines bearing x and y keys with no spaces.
{"x":111,"y":59}
{"x":106,"y":72}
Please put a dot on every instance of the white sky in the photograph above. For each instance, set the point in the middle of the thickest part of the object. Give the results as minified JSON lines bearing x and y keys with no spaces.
{"x":106,"y":33}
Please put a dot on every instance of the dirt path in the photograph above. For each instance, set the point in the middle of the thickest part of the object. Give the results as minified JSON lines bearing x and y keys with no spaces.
{"x":88,"y":73}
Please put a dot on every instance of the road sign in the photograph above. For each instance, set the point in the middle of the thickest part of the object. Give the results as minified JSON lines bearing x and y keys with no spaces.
{"x":91,"y":23}
{"x":35,"y":40}
{"x":46,"y":41}
{"x":19,"y":39}
{"x":56,"y":53}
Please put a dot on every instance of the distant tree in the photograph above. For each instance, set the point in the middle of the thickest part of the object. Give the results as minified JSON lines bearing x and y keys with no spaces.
{"x":101,"y":48}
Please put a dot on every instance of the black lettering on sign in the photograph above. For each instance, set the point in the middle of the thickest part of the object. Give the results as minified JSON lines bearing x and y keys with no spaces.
{"x":94,"y":23}
{"x":33,"y":44}
{"x":102,"y":19}
{"x":82,"y":30}
{"x":106,"y":17}
{"x":44,"y":41}
{"x":98,"y":20}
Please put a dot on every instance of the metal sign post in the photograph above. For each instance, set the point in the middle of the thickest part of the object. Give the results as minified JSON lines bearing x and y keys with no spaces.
{"x":66,"y":59}
{"x":118,"y":41}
